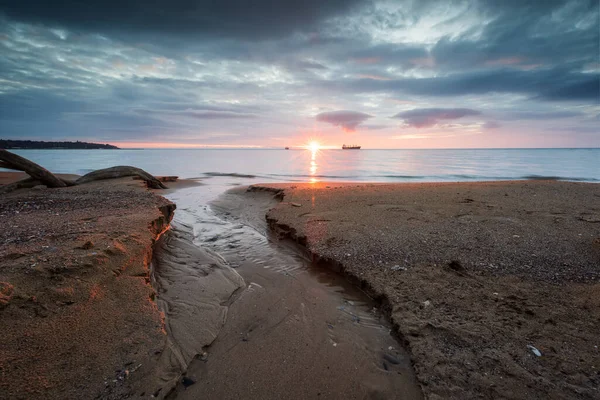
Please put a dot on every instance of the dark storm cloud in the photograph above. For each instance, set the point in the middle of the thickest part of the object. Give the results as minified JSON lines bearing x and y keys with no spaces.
{"x":426,"y":117}
{"x":385,"y":54}
{"x":348,"y":120}
{"x":211,"y":114}
{"x":525,"y":34}
{"x":549,"y":85}
{"x":239,"y":19}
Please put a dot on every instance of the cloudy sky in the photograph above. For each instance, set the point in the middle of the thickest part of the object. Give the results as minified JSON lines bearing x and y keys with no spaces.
{"x":385,"y":74}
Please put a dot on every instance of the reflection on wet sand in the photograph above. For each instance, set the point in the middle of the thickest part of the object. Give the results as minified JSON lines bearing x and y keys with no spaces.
{"x":193,"y":287}
{"x":295,"y":330}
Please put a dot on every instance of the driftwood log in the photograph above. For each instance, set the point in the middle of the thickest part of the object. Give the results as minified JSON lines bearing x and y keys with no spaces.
{"x":41,"y":176}
{"x":121,"y":172}
{"x":13,"y":161}
{"x":25,"y":183}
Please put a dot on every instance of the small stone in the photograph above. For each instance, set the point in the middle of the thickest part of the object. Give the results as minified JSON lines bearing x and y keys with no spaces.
{"x":87,"y":245}
{"x":187,"y":381}
{"x":534,"y":350}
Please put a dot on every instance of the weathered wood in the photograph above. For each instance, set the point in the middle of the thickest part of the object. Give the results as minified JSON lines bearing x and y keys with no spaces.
{"x":121,"y":172}
{"x":68,"y":182}
{"x":24,"y":183}
{"x":170,"y":178}
{"x":32,"y":169}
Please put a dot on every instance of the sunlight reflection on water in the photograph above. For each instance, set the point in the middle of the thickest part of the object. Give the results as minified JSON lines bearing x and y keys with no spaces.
{"x":313,"y":165}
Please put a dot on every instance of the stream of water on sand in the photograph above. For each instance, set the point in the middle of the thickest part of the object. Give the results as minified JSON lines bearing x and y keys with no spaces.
{"x":293,"y":330}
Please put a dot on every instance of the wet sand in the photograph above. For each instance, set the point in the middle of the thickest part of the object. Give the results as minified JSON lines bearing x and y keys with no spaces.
{"x":478,"y":278}
{"x":294,"y":330}
{"x":193,"y":290}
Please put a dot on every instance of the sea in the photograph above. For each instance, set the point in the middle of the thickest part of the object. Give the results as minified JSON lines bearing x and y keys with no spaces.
{"x":299,"y":165}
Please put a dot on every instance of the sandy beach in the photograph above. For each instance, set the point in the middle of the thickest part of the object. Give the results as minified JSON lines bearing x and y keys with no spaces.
{"x":490,"y":288}
{"x":493,"y":287}
{"x":77,"y":310}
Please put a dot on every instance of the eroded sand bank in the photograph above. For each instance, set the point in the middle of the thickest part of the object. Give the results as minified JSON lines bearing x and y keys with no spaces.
{"x":77,"y":317}
{"x":479,"y":277}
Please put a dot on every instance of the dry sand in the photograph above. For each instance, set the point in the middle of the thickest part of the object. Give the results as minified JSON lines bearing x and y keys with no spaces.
{"x":477,"y":277}
{"x":77,"y":315}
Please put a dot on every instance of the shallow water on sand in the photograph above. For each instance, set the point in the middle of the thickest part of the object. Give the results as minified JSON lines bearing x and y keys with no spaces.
{"x":294,"y":330}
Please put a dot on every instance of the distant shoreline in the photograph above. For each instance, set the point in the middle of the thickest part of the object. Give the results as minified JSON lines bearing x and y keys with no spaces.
{"x":42,"y":145}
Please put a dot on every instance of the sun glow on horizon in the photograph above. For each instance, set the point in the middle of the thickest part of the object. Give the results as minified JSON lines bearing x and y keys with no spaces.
{"x":313,"y":146}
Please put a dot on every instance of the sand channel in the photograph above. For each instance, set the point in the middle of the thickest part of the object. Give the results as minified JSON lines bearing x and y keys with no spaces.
{"x":275,"y":326}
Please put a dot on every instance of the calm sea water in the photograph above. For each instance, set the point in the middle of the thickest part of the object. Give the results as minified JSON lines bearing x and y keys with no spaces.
{"x":337,"y":165}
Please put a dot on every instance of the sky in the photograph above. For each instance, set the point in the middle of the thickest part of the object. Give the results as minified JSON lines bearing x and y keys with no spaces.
{"x":264,"y":73}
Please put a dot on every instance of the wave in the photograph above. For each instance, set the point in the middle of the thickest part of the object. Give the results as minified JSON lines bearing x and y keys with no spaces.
{"x":401,"y":178}
{"x":232,"y":174}
{"x":558,"y":178}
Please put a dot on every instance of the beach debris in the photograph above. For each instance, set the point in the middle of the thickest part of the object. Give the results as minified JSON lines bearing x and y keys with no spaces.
{"x":204,"y":356}
{"x":398,"y":268}
{"x":427,"y":303}
{"x":187,"y":382}
{"x":534,"y":350}
{"x":136,"y":368}
{"x":123,"y":374}
{"x":296,"y":204}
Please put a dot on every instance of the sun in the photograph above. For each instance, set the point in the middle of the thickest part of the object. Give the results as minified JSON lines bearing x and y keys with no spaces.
{"x":313,"y":146}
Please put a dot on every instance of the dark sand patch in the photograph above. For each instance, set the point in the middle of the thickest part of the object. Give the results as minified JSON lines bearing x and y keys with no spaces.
{"x":478,"y":276}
